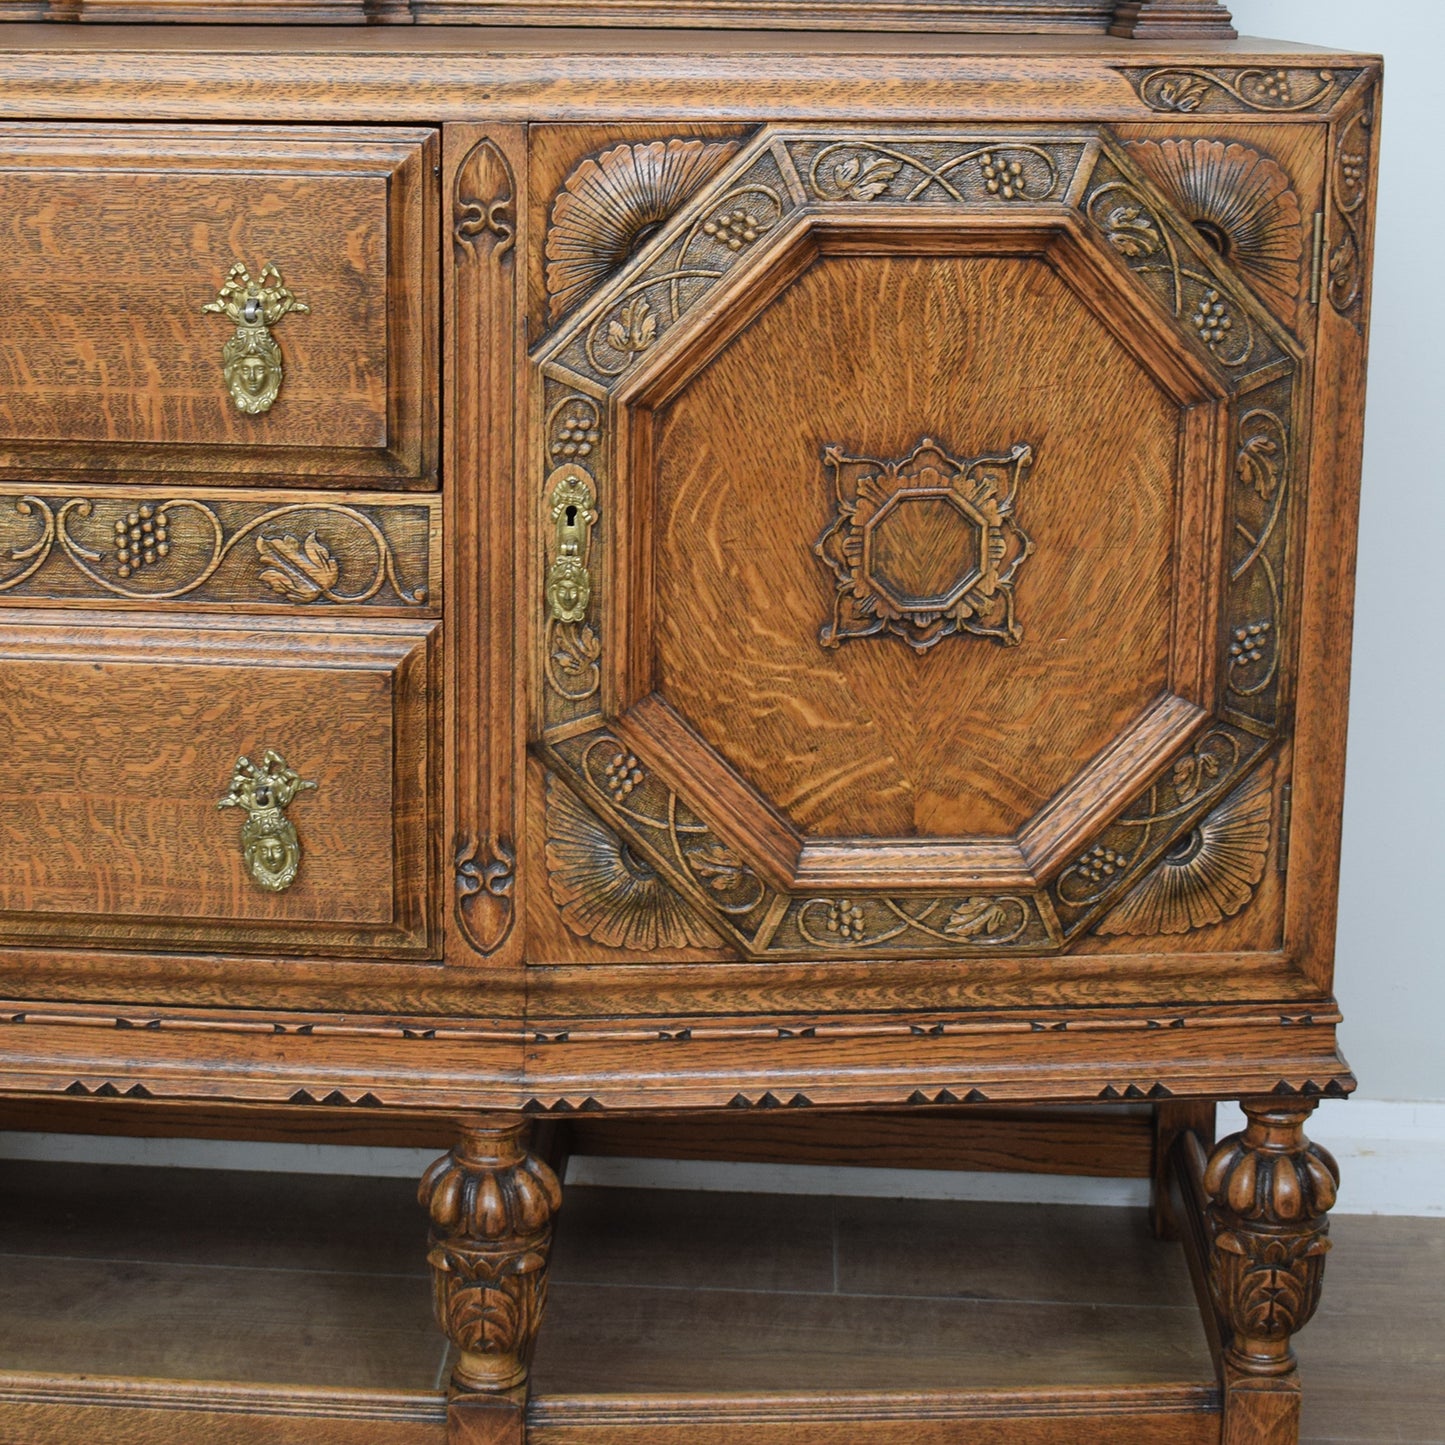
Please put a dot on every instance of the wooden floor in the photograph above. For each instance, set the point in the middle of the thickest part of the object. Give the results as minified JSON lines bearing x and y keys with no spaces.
{"x":320,"y":1281}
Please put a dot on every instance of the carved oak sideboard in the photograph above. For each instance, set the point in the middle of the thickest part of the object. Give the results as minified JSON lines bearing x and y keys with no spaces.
{"x":593,"y":576}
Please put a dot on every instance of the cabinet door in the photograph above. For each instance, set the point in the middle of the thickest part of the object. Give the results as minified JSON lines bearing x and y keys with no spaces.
{"x":914,"y":562}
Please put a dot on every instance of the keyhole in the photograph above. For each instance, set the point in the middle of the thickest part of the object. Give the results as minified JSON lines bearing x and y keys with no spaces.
{"x":571,"y":516}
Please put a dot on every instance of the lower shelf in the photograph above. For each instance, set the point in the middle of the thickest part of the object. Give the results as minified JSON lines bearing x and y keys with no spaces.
{"x":715,"y":1318}
{"x":155,"y":1306}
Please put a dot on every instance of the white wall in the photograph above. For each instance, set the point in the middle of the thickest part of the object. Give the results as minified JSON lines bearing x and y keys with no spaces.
{"x":1391,"y":963}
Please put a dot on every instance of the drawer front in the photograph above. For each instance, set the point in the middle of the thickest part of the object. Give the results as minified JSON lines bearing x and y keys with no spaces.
{"x":127,"y":820}
{"x":117,"y":242}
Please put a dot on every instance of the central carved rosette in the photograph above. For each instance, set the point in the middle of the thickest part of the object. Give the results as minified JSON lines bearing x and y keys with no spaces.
{"x":491,"y":1205}
{"x":1270,"y":1189}
{"x":924,"y":547}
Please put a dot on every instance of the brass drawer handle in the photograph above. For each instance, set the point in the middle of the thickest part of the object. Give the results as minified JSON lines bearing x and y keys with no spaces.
{"x":268,"y":837}
{"x":251,"y":359}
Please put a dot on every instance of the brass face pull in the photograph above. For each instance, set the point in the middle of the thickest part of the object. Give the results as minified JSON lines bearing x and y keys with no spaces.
{"x":268,"y":837}
{"x":251,"y":359}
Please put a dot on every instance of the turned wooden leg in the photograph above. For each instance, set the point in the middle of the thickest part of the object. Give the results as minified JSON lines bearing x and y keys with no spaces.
{"x":1268,"y":1190}
{"x":491,"y":1205}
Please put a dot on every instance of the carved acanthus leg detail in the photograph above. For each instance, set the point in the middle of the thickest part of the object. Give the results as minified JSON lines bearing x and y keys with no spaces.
{"x":491,"y":1205}
{"x":1269,"y":1193}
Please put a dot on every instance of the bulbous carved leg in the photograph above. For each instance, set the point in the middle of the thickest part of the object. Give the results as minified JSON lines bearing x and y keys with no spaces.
{"x":491,"y":1205}
{"x":1269,"y":1191}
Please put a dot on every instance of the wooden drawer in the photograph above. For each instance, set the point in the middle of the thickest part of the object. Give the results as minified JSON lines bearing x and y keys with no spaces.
{"x":116,"y":238}
{"x":121,"y":736}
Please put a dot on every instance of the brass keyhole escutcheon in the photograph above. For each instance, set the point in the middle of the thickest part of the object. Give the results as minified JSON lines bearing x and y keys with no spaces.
{"x":574,"y":514}
{"x":269,"y":843}
{"x":251,"y":359}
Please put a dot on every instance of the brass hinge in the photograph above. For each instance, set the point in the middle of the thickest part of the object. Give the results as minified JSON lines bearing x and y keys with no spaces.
{"x":1281,"y":856}
{"x":1317,"y":261}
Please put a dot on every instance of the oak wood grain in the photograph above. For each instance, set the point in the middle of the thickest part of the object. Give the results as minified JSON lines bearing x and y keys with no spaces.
{"x":1111,"y":1144}
{"x":118,"y":238}
{"x":332,"y":74}
{"x":873,"y":356}
{"x":112,"y":813}
{"x":873,"y":327}
{"x":49,"y":1411}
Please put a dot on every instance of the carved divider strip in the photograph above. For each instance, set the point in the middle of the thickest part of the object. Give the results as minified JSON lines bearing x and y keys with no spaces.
{"x":485,"y":727}
{"x":1348,"y":223}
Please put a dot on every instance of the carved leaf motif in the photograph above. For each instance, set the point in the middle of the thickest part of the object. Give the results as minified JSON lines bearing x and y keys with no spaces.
{"x":977,"y":916}
{"x":864,"y":180}
{"x":1258,"y":465}
{"x":486,"y":1318}
{"x":575,"y":649}
{"x":300,"y":571}
{"x":1182,"y":93}
{"x":1132,"y":232}
{"x":716,"y":865}
{"x":1191,"y":773}
{"x":636,"y":329}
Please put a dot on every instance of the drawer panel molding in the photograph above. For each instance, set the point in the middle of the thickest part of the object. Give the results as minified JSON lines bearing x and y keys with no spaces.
{"x":121,"y":735}
{"x":128,"y":240}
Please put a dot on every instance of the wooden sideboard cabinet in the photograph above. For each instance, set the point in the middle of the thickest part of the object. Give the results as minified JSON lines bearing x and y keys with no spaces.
{"x":703,"y":589}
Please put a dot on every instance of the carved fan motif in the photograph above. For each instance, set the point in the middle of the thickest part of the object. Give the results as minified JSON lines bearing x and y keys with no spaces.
{"x":612,"y":203}
{"x":1241,"y":202}
{"x":1210,"y":874}
{"x":605,"y":891}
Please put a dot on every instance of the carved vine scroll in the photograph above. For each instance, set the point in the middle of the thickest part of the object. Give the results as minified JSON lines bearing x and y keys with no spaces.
{"x":167,"y":547}
{"x":1349,"y":197}
{"x":1264,"y":89}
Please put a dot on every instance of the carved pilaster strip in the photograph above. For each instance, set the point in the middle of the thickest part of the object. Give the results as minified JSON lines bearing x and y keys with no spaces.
{"x":491,"y":1205}
{"x":1269,"y":1190}
{"x":484,"y":362}
{"x":1347,"y":224}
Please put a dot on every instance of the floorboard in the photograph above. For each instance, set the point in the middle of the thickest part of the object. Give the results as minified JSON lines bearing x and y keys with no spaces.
{"x":298,"y":1280}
